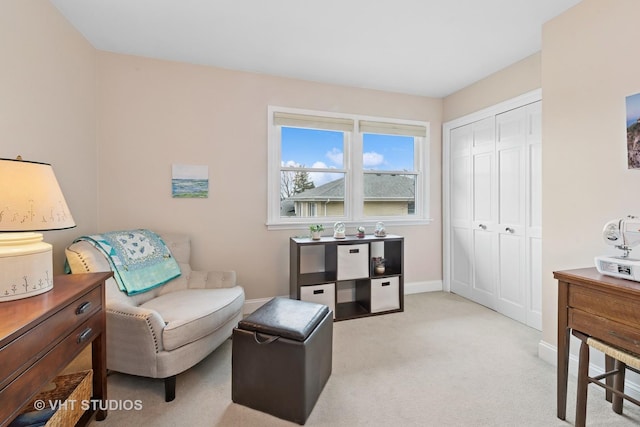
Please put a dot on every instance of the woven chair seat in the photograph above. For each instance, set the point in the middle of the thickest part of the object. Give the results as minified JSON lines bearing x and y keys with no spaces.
{"x":629,"y":359}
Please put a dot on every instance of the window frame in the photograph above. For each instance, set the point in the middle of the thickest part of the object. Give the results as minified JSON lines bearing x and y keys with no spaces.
{"x":353,"y":170}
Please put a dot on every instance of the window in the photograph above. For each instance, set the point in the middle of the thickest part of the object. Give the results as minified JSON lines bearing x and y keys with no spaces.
{"x":337,"y":167}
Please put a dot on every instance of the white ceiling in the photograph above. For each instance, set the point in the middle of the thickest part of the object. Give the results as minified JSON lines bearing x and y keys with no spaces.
{"x":423,"y":47}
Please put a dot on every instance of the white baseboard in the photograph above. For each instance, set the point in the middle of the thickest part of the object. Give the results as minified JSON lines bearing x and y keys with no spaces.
{"x":549,"y":353}
{"x":252,"y":305}
{"x":419,"y":287}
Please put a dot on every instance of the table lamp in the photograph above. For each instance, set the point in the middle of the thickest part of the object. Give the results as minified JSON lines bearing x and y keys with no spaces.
{"x":30,"y":201}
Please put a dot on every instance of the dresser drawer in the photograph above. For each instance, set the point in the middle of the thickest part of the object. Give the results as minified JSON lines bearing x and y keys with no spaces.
{"x":619,"y":308}
{"x":29,"y":347}
{"x":15,"y":393}
{"x":607,"y":330}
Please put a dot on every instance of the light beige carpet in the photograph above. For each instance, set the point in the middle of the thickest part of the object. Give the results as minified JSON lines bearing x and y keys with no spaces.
{"x":444,"y":361}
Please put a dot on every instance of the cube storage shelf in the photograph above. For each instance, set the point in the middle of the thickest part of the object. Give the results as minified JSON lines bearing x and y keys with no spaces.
{"x":340,"y":274}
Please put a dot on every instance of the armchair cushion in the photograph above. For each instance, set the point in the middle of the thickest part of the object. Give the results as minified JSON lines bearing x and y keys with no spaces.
{"x":192,"y":314}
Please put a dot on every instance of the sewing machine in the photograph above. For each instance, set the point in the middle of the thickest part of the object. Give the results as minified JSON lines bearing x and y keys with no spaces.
{"x":624,"y":234}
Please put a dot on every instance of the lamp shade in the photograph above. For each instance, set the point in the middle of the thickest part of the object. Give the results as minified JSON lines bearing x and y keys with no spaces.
{"x":30,"y":198}
{"x":30,"y":201}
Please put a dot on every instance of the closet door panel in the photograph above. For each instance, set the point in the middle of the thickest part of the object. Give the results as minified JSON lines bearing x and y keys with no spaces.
{"x":511,"y":150}
{"x":460,"y":249}
{"x":511,"y":187}
{"x":484,"y":280}
{"x":483,"y":178}
{"x":461,"y":254}
{"x":511,"y":292}
{"x":460,"y":183}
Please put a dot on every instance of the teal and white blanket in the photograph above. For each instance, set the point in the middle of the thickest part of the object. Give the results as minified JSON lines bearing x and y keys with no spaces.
{"x":140,"y":260}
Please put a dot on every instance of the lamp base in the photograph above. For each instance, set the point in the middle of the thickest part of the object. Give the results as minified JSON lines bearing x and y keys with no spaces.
{"x":26,"y":266}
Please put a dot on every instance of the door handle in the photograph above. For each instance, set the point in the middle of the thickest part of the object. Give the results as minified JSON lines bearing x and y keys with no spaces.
{"x":509,"y":230}
{"x":484,"y":227}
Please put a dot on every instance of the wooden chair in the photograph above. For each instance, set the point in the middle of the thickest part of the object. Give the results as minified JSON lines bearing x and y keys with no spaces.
{"x":614,"y":375}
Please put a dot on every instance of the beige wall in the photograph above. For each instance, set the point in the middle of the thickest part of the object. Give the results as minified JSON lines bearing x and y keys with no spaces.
{"x":47,"y":105}
{"x":153,"y":113}
{"x":586,"y":74}
{"x":521,"y":77}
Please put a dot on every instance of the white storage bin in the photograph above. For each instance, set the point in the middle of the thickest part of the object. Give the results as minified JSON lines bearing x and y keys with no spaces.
{"x":353,"y":261}
{"x":385,"y":294}
{"x":321,"y":294}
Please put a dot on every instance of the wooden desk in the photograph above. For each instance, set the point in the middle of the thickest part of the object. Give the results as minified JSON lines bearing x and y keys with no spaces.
{"x":600,"y":306}
{"x":40,"y":335}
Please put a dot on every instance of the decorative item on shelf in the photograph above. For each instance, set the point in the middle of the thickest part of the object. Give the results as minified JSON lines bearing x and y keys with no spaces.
{"x":360,"y":232}
{"x":378,"y":265}
{"x":338,"y":230}
{"x":316,"y":231}
{"x":31,"y":201}
{"x":380,"y":231}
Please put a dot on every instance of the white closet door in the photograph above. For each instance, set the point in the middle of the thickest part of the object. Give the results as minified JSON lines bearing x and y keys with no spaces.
{"x":511,"y":176}
{"x":460,"y":212}
{"x":494,"y":233}
{"x":483,"y":222}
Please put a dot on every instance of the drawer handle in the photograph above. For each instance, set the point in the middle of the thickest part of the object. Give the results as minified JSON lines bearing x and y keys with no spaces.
{"x":269,"y":340}
{"x":84,"y":307}
{"x":319,"y":291}
{"x":354,"y":251}
{"x":85,"y":335}
{"x":385,"y":283}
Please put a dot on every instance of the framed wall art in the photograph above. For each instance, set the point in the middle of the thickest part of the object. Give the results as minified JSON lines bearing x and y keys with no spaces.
{"x":633,"y":131}
{"x":190,"y":181}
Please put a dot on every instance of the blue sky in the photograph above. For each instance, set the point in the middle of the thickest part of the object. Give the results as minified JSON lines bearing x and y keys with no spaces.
{"x":324,"y":149}
{"x":633,"y":109}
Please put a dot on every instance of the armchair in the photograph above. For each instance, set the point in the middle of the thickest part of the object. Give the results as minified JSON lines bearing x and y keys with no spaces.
{"x":168,"y":329}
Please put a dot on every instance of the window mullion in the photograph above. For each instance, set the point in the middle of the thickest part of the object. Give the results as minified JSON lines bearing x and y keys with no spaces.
{"x":356,"y":201}
{"x":418,"y":148}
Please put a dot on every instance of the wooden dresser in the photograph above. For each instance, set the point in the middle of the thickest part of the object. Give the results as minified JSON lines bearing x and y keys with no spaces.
{"x":40,"y":335}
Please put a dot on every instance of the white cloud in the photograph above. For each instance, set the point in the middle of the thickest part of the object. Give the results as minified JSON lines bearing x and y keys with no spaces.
{"x":319,"y":165}
{"x":291,"y":164}
{"x":336,"y":156}
{"x":372,"y":159}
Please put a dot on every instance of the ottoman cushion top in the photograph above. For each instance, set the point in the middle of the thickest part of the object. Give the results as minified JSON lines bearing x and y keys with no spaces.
{"x":287,"y":318}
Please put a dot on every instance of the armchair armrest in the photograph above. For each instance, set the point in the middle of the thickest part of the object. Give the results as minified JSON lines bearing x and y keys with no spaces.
{"x":212,"y":279}
{"x":134,"y":337}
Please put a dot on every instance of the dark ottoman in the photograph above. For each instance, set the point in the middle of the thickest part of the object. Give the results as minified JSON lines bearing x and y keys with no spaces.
{"x":281,"y":358}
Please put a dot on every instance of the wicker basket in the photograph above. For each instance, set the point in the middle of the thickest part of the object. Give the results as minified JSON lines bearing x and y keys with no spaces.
{"x":74,"y":389}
